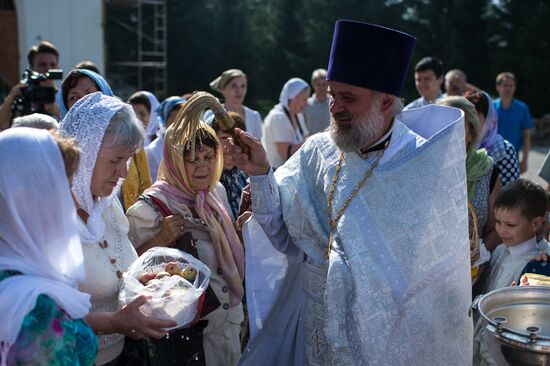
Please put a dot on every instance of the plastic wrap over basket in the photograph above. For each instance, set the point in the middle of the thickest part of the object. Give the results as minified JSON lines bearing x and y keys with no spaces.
{"x":172,"y":297}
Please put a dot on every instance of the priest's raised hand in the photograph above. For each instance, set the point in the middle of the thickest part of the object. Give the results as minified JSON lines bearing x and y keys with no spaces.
{"x":253,"y":163}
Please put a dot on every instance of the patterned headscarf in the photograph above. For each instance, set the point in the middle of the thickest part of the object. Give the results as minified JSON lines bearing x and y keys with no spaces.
{"x":489,"y":132}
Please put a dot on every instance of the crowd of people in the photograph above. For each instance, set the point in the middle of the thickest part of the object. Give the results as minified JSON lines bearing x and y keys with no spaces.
{"x":386,"y":219}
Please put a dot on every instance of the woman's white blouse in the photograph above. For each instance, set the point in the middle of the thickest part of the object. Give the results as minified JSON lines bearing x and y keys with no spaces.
{"x":104,"y":262}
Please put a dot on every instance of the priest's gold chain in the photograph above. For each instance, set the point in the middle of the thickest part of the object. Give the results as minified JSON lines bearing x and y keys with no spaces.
{"x":333,"y":221}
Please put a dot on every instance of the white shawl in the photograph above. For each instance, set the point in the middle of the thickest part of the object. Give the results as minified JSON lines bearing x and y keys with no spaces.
{"x":38,"y":232}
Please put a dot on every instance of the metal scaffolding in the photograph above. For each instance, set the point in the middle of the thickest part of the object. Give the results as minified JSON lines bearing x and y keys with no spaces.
{"x":142,"y":62}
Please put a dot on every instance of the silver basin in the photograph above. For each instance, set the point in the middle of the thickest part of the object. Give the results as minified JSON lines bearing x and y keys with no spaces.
{"x":517,"y":324}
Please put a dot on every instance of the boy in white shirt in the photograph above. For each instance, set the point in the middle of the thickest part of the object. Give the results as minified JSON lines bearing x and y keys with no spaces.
{"x":520,"y":210}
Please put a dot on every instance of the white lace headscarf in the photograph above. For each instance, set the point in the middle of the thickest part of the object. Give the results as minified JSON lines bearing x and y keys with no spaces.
{"x":38,"y":232}
{"x":87,"y":121}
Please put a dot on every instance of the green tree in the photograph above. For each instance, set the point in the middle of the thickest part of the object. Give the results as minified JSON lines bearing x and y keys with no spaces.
{"x":274,"y":40}
{"x":455,"y":31}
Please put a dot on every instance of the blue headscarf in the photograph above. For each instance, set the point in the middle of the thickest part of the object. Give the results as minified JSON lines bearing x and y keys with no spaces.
{"x":164,"y":108}
{"x":104,"y":88}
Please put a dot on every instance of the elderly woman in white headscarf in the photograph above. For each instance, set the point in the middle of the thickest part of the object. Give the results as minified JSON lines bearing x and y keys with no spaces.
{"x":41,"y":260}
{"x":109,"y":134}
{"x":285,"y":129}
{"x":79,"y":83}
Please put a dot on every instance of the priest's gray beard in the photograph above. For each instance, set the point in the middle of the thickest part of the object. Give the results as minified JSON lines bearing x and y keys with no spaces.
{"x":361,"y":132}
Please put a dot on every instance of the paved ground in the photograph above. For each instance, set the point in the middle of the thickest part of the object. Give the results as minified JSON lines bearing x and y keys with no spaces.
{"x":536,"y":157}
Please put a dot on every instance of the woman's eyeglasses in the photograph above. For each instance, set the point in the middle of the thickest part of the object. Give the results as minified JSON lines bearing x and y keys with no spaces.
{"x":207,"y":160}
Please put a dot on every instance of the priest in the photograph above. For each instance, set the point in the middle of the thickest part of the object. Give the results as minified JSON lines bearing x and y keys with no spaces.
{"x":370,"y":219}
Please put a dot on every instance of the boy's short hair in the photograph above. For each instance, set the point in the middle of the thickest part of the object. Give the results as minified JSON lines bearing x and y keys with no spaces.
{"x":524,"y":195}
{"x":42,"y":47}
{"x":430,"y":63}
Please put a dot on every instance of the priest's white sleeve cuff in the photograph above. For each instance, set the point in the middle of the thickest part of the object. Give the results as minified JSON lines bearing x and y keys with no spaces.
{"x":265,"y":193}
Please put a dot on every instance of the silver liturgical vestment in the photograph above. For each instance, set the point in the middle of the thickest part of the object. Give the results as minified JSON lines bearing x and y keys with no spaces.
{"x":397,"y":287}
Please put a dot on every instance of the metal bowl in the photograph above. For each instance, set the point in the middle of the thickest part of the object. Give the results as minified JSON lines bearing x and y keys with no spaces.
{"x":517,"y":324}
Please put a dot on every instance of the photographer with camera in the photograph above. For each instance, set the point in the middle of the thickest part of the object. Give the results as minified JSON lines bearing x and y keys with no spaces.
{"x":36,"y":92}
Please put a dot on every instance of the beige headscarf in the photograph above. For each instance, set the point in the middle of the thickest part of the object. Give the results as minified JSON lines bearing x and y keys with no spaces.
{"x":219,"y":83}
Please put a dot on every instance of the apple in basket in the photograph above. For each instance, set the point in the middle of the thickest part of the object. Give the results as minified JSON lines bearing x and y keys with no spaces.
{"x":189,"y":273}
{"x":170,"y":269}
{"x":162,"y":274}
{"x":146,"y":277}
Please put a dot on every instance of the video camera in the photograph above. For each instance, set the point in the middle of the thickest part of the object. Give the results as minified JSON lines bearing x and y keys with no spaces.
{"x":34,"y":95}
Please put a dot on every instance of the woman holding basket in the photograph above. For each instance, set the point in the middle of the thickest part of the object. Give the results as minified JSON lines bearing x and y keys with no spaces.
{"x":187,"y":208}
{"x":108,"y":134}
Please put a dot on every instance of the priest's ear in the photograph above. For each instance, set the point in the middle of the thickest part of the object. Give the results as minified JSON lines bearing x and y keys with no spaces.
{"x":387,"y":102}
